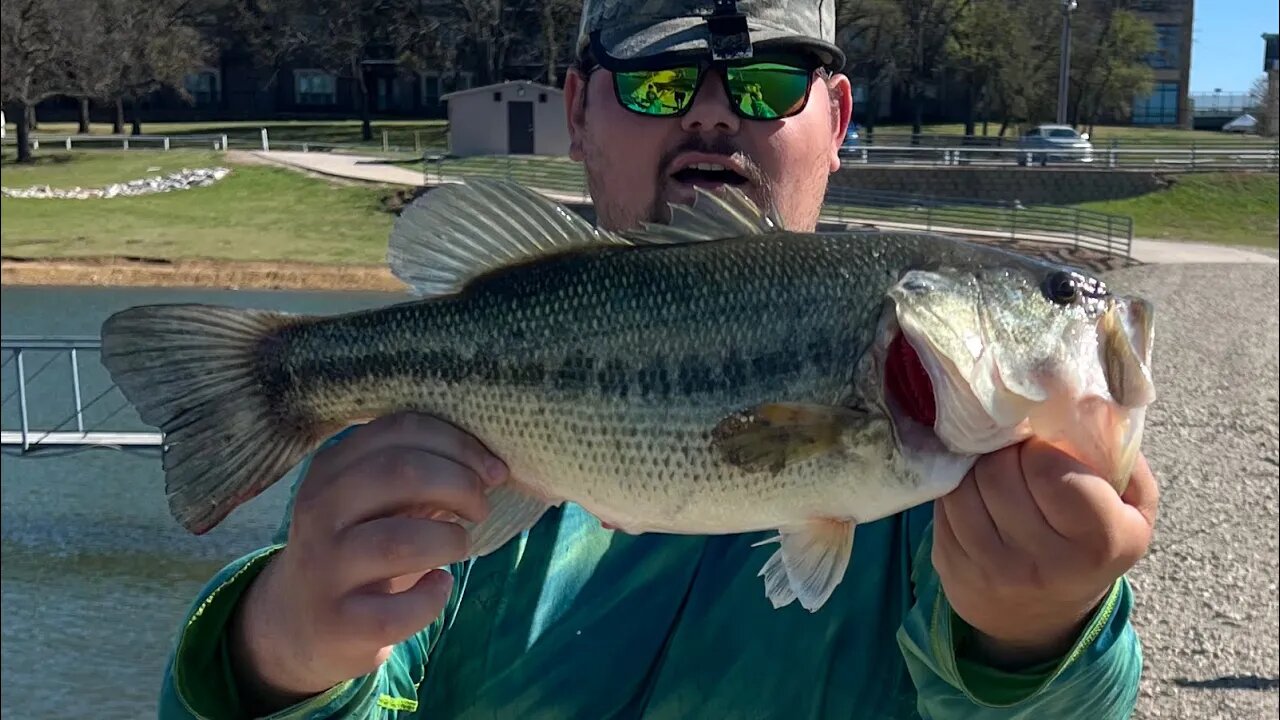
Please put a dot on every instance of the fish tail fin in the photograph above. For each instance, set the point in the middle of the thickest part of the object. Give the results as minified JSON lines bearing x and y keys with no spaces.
{"x":196,"y":372}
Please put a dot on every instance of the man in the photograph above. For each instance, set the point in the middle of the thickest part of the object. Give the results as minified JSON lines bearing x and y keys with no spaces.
{"x":1004,"y":599}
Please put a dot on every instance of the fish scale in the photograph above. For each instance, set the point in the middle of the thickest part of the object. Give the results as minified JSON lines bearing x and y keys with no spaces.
{"x":713,"y":374}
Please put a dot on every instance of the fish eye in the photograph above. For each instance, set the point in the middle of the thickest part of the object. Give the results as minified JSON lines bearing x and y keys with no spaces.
{"x":1062,"y":287}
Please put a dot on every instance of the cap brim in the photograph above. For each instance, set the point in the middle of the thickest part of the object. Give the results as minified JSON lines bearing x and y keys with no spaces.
{"x":629,"y":46}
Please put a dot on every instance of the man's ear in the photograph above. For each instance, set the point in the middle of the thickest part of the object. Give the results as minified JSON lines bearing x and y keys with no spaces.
{"x":841,"y":95}
{"x":575,"y":110}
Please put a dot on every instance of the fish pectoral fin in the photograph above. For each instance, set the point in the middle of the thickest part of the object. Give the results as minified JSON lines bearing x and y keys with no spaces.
{"x":458,"y":232}
{"x":513,"y":508}
{"x":769,"y":437}
{"x":809,"y":565}
{"x":725,"y":213}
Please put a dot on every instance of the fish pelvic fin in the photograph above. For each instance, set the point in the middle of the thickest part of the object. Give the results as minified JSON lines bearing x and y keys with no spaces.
{"x":193,"y":372}
{"x":724,"y":213}
{"x":513,"y":508}
{"x":458,"y":232}
{"x":768,"y":437}
{"x":810,"y":563}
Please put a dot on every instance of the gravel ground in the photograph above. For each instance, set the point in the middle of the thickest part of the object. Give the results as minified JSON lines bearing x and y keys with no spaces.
{"x":1206,"y":607}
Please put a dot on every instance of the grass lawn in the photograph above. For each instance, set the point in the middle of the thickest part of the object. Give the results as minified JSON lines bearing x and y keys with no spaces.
{"x":268,"y":213}
{"x":1228,"y":208}
{"x":255,"y":213}
{"x":429,"y":133}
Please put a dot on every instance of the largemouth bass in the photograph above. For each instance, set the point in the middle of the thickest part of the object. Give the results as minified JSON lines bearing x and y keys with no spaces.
{"x":710,"y":375}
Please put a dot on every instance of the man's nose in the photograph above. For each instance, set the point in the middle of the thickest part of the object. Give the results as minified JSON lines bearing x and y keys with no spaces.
{"x":711,"y":110}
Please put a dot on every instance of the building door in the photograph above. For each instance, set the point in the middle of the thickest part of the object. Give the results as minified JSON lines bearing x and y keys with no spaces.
{"x":520,"y":128}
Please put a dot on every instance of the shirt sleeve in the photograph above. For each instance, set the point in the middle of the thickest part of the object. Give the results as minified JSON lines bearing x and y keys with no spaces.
{"x":1097,"y":678}
{"x":199,"y":683}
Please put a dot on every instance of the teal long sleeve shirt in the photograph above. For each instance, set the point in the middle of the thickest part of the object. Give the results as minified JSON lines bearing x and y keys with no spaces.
{"x":572,"y":621}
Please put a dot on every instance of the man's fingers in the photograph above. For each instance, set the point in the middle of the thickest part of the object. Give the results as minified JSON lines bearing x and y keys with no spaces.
{"x":389,"y":618}
{"x":424,"y":432}
{"x":1074,"y":499}
{"x":947,"y":552}
{"x":971,"y":524}
{"x":387,"y":548}
{"x":1143,"y":492}
{"x":405,"y":481}
{"x":1016,"y":515}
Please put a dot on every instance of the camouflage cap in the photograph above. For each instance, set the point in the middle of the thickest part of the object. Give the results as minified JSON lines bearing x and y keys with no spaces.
{"x":627,"y":33}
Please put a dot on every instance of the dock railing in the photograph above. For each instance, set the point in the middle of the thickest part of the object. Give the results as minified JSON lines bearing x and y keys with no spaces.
{"x":68,"y":356}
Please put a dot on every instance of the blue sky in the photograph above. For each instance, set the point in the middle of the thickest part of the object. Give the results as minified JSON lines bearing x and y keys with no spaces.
{"x":1226,"y":42}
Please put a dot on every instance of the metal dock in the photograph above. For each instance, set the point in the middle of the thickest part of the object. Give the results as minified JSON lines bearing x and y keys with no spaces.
{"x":68,"y":352}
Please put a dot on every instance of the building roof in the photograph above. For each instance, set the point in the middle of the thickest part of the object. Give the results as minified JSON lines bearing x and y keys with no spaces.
{"x":528,"y":85}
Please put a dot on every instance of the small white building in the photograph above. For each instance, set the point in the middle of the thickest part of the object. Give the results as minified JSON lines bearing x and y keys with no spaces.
{"x":517,"y":117}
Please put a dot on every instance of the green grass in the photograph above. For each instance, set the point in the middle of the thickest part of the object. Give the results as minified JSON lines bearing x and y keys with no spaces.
{"x":1227,"y":208}
{"x":255,"y":213}
{"x":429,"y":133}
{"x":95,"y":168}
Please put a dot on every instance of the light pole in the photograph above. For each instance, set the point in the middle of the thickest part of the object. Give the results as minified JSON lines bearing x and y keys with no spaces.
{"x":1064,"y":69}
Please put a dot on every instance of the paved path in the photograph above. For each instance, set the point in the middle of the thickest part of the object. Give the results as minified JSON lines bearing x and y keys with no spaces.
{"x":373,"y":169}
{"x":1206,"y":607}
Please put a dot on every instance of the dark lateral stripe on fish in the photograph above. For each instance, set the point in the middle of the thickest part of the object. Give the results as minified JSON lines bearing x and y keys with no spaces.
{"x":656,"y":377}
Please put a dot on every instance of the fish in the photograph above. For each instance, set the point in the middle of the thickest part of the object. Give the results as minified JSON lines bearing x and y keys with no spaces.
{"x":711,"y":373}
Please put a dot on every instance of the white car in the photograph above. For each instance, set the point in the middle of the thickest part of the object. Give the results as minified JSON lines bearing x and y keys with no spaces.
{"x":1044,"y":143}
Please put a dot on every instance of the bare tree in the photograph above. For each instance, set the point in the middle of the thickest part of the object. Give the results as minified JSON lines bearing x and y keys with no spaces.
{"x":557,"y":17}
{"x":30,"y":47}
{"x":155,"y":46}
{"x":89,"y":60}
{"x":928,"y":26}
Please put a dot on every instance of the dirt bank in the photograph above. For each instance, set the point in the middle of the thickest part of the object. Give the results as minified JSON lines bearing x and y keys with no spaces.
{"x":213,"y":274}
{"x":280,"y":275}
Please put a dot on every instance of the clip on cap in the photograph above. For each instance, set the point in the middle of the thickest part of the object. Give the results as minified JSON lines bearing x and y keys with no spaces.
{"x":728,"y":36}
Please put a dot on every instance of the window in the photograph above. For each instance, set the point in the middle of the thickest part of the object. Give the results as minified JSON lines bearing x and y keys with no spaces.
{"x":431,"y":89}
{"x":497,"y":96}
{"x":542,"y":97}
{"x":314,"y":87}
{"x":1158,"y":108}
{"x":1168,"y":45}
{"x":203,"y":86}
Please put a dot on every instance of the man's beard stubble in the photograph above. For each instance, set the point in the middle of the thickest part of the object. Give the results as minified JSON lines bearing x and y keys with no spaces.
{"x":758,"y":186}
{"x":616,"y":216}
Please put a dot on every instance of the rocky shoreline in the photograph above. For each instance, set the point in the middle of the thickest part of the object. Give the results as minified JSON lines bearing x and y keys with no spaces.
{"x":185,"y":179}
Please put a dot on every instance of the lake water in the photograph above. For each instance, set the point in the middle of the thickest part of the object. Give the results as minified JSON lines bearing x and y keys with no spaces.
{"x":96,"y":576}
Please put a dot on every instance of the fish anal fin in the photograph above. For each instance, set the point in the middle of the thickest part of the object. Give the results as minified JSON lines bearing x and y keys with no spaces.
{"x":513,"y":508}
{"x":768,"y":437}
{"x":810,"y":563}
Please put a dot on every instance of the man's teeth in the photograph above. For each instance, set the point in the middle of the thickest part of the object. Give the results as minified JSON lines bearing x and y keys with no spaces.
{"x":710,"y":167}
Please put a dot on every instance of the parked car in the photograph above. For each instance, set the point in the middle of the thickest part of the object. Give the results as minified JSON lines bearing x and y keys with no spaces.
{"x":851,"y":142}
{"x":1045,"y":143}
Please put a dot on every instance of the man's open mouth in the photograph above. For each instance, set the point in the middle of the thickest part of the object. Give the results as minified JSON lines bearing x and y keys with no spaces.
{"x":708,"y":174}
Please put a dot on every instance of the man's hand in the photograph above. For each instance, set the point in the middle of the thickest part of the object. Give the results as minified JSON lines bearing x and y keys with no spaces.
{"x":1029,"y":544}
{"x":372,"y":522}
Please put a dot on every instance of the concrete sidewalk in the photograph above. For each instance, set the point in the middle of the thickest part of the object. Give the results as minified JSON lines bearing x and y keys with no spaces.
{"x":373,"y":169}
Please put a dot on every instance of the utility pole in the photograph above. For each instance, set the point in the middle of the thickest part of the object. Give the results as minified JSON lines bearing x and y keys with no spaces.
{"x":1064,"y":62}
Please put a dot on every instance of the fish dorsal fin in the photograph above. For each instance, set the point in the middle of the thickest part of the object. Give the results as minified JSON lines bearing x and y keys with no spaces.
{"x":713,"y":216}
{"x":458,"y":232}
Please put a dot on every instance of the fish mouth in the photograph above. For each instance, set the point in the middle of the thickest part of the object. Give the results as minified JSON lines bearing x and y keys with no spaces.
{"x":949,"y":407}
{"x":922,"y":393}
{"x":709,"y":170}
